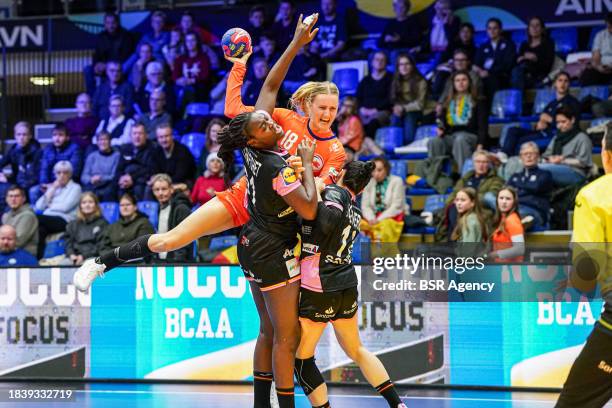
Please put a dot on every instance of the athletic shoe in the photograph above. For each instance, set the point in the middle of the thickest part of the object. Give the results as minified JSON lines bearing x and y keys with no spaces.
{"x":85,"y":275}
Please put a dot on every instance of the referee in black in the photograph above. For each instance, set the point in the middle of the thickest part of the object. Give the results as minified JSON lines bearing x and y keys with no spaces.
{"x":589,"y":383}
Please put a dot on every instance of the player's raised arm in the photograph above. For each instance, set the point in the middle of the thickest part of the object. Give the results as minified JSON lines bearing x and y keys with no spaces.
{"x":233,"y":96}
{"x":269,"y":91}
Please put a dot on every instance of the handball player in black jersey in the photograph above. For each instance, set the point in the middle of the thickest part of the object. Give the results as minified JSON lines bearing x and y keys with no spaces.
{"x":329,"y":287}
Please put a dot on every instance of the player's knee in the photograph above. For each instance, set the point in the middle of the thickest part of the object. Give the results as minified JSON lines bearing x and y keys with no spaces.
{"x":266,"y":334}
{"x":308,"y":374}
{"x":288,"y":338}
{"x":353,"y":352}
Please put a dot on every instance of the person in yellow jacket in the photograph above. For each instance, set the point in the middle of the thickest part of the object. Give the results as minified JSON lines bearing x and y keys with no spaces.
{"x":589,"y":383}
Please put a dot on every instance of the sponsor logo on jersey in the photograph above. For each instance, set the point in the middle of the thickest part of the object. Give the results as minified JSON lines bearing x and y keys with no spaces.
{"x":606,"y":368}
{"x":288,"y":253}
{"x":306,"y":229}
{"x":289,"y":176}
{"x":333,"y":173}
{"x":288,"y":211}
{"x":293,"y":267}
{"x":310,"y":248}
{"x":330,"y":310}
{"x":317,"y":162}
{"x":244,"y":241}
{"x":329,"y":313}
{"x":335,"y":146}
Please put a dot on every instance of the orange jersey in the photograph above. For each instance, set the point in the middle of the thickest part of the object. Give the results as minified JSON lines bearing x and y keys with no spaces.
{"x":329,"y":152}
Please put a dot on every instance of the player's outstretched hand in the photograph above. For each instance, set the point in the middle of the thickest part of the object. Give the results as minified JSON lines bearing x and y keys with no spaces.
{"x":304,"y":32}
{"x":242,"y":60}
{"x":306,"y":151}
{"x":295,"y":162}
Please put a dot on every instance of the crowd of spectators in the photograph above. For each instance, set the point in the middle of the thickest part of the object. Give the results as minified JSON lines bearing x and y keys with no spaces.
{"x":123,"y":143}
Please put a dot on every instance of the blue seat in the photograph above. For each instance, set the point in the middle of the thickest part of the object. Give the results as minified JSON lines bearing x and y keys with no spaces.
{"x":600,"y":121}
{"x":361,"y":249}
{"x":507,"y":103}
{"x":426,"y":67}
{"x":398,"y":168}
{"x":195,"y":143}
{"x":426,"y":131}
{"x":480,"y":37}
{"x":110,"y":211}
{"x":197,"y":109}
{"x":347,"y":80}
{"x":542,"y":98}
{"x":467,"y":166}
{"x":518,"y":36}
{"x":388,"y":138}
{"x":435,"y":202}
{"x":597,"y":91}
{"x":566,"y":39}
{"x":151,"y":210}
{"x":221,"y":243}
{"x":54,"y":248}
{"x":506,"y":127}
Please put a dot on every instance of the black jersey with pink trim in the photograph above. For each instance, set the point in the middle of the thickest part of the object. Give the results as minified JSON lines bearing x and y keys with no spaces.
{"x":326,"y":261}
{"x":269,"y":178}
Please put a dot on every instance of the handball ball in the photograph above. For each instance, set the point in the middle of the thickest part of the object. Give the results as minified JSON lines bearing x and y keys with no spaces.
{"x":236,"y":42}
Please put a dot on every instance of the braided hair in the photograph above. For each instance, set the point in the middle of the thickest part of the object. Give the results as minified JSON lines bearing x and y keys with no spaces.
{"x":358,"y":175}
{"x":231,"y":137}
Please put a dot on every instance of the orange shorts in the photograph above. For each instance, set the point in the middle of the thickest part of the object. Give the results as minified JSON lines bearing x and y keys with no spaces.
{"x":234,"y":201}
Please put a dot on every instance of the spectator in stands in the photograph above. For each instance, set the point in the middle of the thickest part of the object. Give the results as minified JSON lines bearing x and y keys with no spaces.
{"x":136,"y":73}
{"x":60,"y":149}
{"x":158,"y":37}
{"x":100,"y":170}
{"x":137,"y":163}
{"x":470,"y":227}
{"x":267,"y":51}
{"x":173,"y":157}
{"x":535,"y":57}
{"x":463,"y":41}
{"x":23,"y":158}
{"x":495,"y":59}
{"x":545,"y":128}
{"x":10,"y":255}
{"x":603,"y":109}
{"x":383,"y":204}
{"x":444,"y":29}
{"x":117,"y":124}
{"x":256,"y":25}
{"x":82,"y":127}
{"x":21,"y":217}
{"x":284,"y":24}
{"x":462,"y":123}
{"x":112,"y":44}
{"x":508,"y":236}
{"x":174,"y":207}
{"x":114,"y":86}
{"x":307,"y":66}
{"x":251,"y":88}
{"x":205,"y":38}
{"x":84,"y":233}
{"x":403,"y":32}
{"x":568,"y":157}
{"x":533,"y":185}
{"x":156,"y":114}
{"x":600,"y":69}
{"x":373,"y":94}
{"x":442,"y":83}
{"x":332,"y":36}
{"x":210,"y":182}
{"x":131,"y":225}
{"x":155,"y":81}
{"x":192,"y":71}
{"x":483,"y":178}
{"x":211,"y":145}
{"x":175,"y":48}
{"x":408,"y":96}
{"x":350,"y":129}
{"x":58,"y":204}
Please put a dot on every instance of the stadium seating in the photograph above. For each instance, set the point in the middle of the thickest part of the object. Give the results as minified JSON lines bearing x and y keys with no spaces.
{"x":347,"y":80}
{"x":110,"y":211}
{"x":596,"y":91}
{"x":197,"y":109}
{"x":467,"y":166}
{"x":424,"y":132}
{"x":361,"y":249}
{"x":565,"y":38}
{"x":542,"y":98}
{"x":507,"y":127}
{"x":55,"y":248}
{"x":398,"y":168}
{"x":594,"y":32}
{"x":507,"y":104}
{"x":518,"y":36}
{"x":195,"y":143}
{"x":388,"y":138}
{"x":151,"y":210}
{"x":221,"y":243}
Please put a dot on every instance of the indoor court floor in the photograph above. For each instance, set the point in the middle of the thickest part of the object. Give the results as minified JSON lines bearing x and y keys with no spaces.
{"x":106,"y":395}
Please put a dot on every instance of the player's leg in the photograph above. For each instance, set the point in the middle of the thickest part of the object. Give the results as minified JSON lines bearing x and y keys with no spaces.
{"x":262,"y":358}
{"x":211,"y":218}
{"x":347,"y":333}
{"x":282,"y":306}
{"x":589,"y":383}
{"x":306,"y":370}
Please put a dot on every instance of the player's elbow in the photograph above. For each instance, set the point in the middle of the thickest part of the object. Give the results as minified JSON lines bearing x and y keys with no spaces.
{"x":310,"y":212}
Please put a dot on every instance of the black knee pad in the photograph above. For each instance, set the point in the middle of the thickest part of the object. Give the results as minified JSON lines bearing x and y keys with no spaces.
{"x":308,"y":374}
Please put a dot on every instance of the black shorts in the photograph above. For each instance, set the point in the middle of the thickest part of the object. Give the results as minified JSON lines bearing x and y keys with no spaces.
{"x":266,"y":260}
{"x":589,"y":383}
{"x":325,"y":306}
